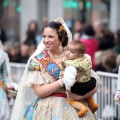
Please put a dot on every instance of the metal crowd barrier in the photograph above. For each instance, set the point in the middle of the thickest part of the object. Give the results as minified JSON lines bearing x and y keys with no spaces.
{"x":108,"y":109}
{"x":17,"y":70}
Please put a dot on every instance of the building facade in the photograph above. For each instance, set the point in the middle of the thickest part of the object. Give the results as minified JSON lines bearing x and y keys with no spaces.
{"x":16,"y":14}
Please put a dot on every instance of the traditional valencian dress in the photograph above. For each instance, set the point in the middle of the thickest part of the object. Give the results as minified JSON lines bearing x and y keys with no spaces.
{"x":43,"y":70}
{"x":4,"y":107}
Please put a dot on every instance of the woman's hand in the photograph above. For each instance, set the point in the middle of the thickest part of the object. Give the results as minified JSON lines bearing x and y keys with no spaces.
{"x":45,"y":90}
{"x":78,"y":76}
{"x":74,"y":96}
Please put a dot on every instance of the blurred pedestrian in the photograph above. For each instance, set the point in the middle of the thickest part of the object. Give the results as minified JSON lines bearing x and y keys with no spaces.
{"x":3,"y":37}
{"x":117,"y":42}
{"x":91,"y":42}
{"x":78,"y":28}
{"x":13,"y":55}
{"x":31,"y":33}
{"x":109,"y":61}
{"x":24,"y":50}
{"x":45,"y":20}
{"x":32,"y":49}
{"x":104,"y":35}
{"x":98,"y":61}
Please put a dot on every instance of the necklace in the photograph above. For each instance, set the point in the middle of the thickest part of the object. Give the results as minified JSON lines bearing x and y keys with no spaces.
{"x":56,"y":56}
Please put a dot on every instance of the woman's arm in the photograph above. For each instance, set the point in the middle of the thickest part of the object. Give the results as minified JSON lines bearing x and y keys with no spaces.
{"x":78,"y":97}
{"x":45,"y":90}
{"x":90,"y":93}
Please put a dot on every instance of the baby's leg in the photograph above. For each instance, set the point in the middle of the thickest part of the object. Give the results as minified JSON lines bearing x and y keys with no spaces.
{"x":93,"y":104}
{"x":78,"y":105}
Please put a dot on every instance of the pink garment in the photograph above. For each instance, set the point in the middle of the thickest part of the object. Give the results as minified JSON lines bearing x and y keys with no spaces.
{"x":92,"y":46}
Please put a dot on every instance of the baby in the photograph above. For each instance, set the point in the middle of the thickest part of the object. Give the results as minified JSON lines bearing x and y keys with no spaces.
{"x":78,"y":63}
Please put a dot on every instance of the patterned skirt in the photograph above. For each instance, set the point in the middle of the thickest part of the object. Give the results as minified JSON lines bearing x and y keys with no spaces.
{"x":54,"y":108}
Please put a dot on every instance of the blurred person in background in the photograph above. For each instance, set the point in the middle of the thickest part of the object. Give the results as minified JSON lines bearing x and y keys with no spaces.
{"x":45,"y":20}
{"x":3,"y":37}
{"x":17,"y":45}
{"x":98,"y":58}
{"x":104,"y":35}
{"x":4,"y":80}
{"x":24,"y":50}
{"x":91,"y":42}
{"x":31,"y":33}
{"x":109,"y":60}
{"x":117,"y":41}
{"x":39,"y":36}
{"x":78,"y":28}
{"x":115,"y":70}
{"x":32,"y":49}
{"x":13,"y":55}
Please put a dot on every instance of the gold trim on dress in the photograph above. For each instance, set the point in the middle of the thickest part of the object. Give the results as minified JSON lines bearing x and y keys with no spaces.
{"x":3,"y":86}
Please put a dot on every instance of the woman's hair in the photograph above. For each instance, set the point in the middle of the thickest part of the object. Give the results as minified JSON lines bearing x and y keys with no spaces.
{"x":109,"y":58}
{"x":79,"y":46}
{"x":62,"y":34}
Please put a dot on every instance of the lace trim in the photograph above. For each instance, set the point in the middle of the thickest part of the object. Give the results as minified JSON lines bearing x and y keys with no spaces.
{"x":34,"y":77}
{"x":4,"y":110}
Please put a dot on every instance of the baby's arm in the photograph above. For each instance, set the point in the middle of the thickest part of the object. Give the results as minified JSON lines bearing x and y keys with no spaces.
{"x":69,"y":77}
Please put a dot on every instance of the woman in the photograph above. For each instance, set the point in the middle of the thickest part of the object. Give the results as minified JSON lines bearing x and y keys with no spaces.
{"x":42,"y":74}
{"x":4,"y":79}
{"x":31,"y":33}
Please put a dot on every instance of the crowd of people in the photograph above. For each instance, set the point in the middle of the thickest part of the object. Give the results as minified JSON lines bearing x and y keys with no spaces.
{"x":101,"y":44}
{"x":98,"y":39}
{"x":41,"y":78}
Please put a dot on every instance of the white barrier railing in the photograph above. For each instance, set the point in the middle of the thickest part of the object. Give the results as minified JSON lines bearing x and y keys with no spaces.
{"x":107,"y":110}
{"x":17,"y":71}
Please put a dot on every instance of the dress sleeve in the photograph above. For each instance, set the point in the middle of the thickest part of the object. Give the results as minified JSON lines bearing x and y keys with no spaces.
{"x":34,"y":75}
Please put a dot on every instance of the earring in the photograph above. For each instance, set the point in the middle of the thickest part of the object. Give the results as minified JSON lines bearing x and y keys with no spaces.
{"x":60,"y":48}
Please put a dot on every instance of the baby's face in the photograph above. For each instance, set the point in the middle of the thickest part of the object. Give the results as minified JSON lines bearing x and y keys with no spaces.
{"x":71,"y":52}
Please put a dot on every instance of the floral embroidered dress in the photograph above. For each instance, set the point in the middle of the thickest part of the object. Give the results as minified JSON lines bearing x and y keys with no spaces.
{"x":51,"y":107}
{"x":4,"y":107}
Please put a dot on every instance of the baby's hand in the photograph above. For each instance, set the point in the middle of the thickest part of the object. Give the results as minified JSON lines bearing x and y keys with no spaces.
{"x":69,"y":91}
{"x":78,"y":76}
{"x":73,"y":96}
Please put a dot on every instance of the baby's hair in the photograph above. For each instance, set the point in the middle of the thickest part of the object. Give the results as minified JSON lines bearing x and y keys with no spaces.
{"x":79,"y":46}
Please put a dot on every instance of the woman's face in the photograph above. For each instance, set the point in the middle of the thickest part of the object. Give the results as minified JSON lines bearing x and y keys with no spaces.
{"x":32,"y":26}
{"x":50,"y":39}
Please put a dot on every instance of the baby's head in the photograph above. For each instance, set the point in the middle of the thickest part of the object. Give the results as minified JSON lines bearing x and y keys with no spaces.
{"x":75,"y":49}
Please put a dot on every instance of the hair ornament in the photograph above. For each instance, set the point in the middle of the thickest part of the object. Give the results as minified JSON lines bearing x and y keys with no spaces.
{"x":61,"y":28}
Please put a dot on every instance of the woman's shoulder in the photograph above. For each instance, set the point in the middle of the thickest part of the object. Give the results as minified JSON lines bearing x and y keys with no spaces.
{"x":34,"y":65}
